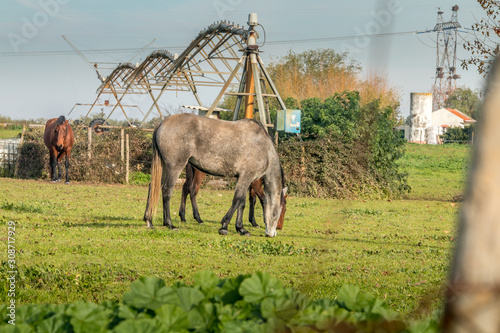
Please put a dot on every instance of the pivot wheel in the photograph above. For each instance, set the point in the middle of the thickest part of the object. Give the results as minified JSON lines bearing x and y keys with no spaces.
{"x":95,"y":125}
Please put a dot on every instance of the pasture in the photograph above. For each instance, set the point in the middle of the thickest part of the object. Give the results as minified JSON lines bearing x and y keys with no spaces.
{"x":88,"y":241}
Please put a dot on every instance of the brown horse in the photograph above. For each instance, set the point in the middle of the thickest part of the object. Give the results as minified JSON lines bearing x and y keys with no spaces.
{"x":58,"y":138}
{"x":191,"y":186}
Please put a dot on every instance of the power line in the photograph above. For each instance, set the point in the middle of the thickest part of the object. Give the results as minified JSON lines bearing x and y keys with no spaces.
{"x":278,"y":42}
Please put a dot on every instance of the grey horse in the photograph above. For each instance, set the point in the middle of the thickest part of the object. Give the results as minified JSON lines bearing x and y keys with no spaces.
{"x":240,"y":149}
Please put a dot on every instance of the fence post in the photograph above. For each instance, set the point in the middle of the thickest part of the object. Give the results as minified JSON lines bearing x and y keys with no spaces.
{"x":472,"y":298}
{"x":89,"y":147}
{"x":122,"y":137}
{"x":128,"y":159}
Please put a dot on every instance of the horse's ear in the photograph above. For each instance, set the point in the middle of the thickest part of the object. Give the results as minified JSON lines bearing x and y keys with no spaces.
{"x":284,"y":191}
{"x":67,"y":122}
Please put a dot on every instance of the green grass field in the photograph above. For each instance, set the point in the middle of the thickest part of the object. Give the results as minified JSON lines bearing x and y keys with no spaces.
{"x":9,"y":133}
{"x":88,"y":241}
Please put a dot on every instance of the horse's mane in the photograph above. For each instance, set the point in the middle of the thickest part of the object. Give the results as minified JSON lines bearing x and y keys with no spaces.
{"x":271,"y":139}
{"x":60,"y":120}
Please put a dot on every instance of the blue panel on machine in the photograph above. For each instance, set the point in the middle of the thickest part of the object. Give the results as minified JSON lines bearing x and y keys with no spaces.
{"x":289,"y":121}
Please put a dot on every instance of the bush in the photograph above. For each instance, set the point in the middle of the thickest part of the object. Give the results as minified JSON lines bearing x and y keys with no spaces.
{"x":32,"y":159}
{"x":104,"y":166}
{"x":348,"y":150}
{"x":459,"y":134}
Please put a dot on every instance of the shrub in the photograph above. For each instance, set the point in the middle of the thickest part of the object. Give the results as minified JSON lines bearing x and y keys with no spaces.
{"x":348,"y":150}
{"x":31,"y":159}
{"x":459,"y":134}
{"x":105,"y":164}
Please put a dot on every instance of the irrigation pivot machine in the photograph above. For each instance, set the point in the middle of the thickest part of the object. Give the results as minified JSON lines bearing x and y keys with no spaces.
{"x":223,"y":56}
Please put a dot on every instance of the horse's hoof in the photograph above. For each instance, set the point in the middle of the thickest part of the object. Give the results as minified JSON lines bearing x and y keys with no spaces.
{"x":244,"y":232}
{"x":223,"y":232}
{"x":255,"y":225}
{"x":67,"y":183}
{"x":200,"y":221}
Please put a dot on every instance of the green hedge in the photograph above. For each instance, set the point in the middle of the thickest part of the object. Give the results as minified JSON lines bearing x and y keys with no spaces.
{"x":349,"y":151}
{"x":104,"y":166}
{"x":247,"y":303}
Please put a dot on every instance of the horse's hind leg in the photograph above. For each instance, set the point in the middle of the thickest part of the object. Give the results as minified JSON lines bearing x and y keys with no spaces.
{"x":193,"y":193}
{"x":185,"y":192}
{"x":167,"y":190}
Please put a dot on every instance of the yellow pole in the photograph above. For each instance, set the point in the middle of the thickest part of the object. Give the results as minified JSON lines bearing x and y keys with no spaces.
{"x":249,"y":89}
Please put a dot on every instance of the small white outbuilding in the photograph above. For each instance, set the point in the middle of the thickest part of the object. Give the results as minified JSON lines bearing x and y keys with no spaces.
{"x":446,"y":118}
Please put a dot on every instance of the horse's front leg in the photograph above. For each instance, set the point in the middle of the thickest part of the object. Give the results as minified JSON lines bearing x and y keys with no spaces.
{"x":239,"y":219}
{"x":191,"y":186}
{"x":252,"y":198}
{"x":238,"y":204}
{"x":59,"y":158}
{"x":53,"y":166}
{"x":66,"y":164}
{"x":256,"y":191}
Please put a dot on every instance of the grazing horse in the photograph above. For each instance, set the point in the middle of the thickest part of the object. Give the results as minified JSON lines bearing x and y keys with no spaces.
{"x":191,"y":186}
{"x":240,"y":149}
{"x":58,"y":137}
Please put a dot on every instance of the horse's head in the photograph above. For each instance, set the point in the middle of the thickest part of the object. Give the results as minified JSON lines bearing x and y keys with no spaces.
{"x":277,"y":213}
{"x":60,"y":131}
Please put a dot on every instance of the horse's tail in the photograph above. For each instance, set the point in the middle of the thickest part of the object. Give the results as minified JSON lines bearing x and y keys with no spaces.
{"x":155,"y":185}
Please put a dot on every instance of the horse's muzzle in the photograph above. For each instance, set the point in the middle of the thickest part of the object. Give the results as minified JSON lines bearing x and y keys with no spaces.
{"x":59,"y":147}
{"x":271,"y":234}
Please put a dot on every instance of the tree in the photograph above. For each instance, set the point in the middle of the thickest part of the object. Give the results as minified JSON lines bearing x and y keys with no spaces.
{"x":324,"y":72}
{"x":321,"y":74}
{"x":337,"y":115}
{"x":465,"y":100}
{"x":485,"y":45}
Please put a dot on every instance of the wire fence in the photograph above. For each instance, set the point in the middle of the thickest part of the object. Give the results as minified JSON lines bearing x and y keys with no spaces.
{"x":9,"y":149}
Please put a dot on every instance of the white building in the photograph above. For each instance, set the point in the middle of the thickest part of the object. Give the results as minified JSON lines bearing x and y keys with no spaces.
{"x":440,"y":121}
{"x":446,"y":118}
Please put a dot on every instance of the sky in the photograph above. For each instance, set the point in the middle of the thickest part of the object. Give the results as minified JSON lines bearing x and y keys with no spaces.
{"x":43,"y":77}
